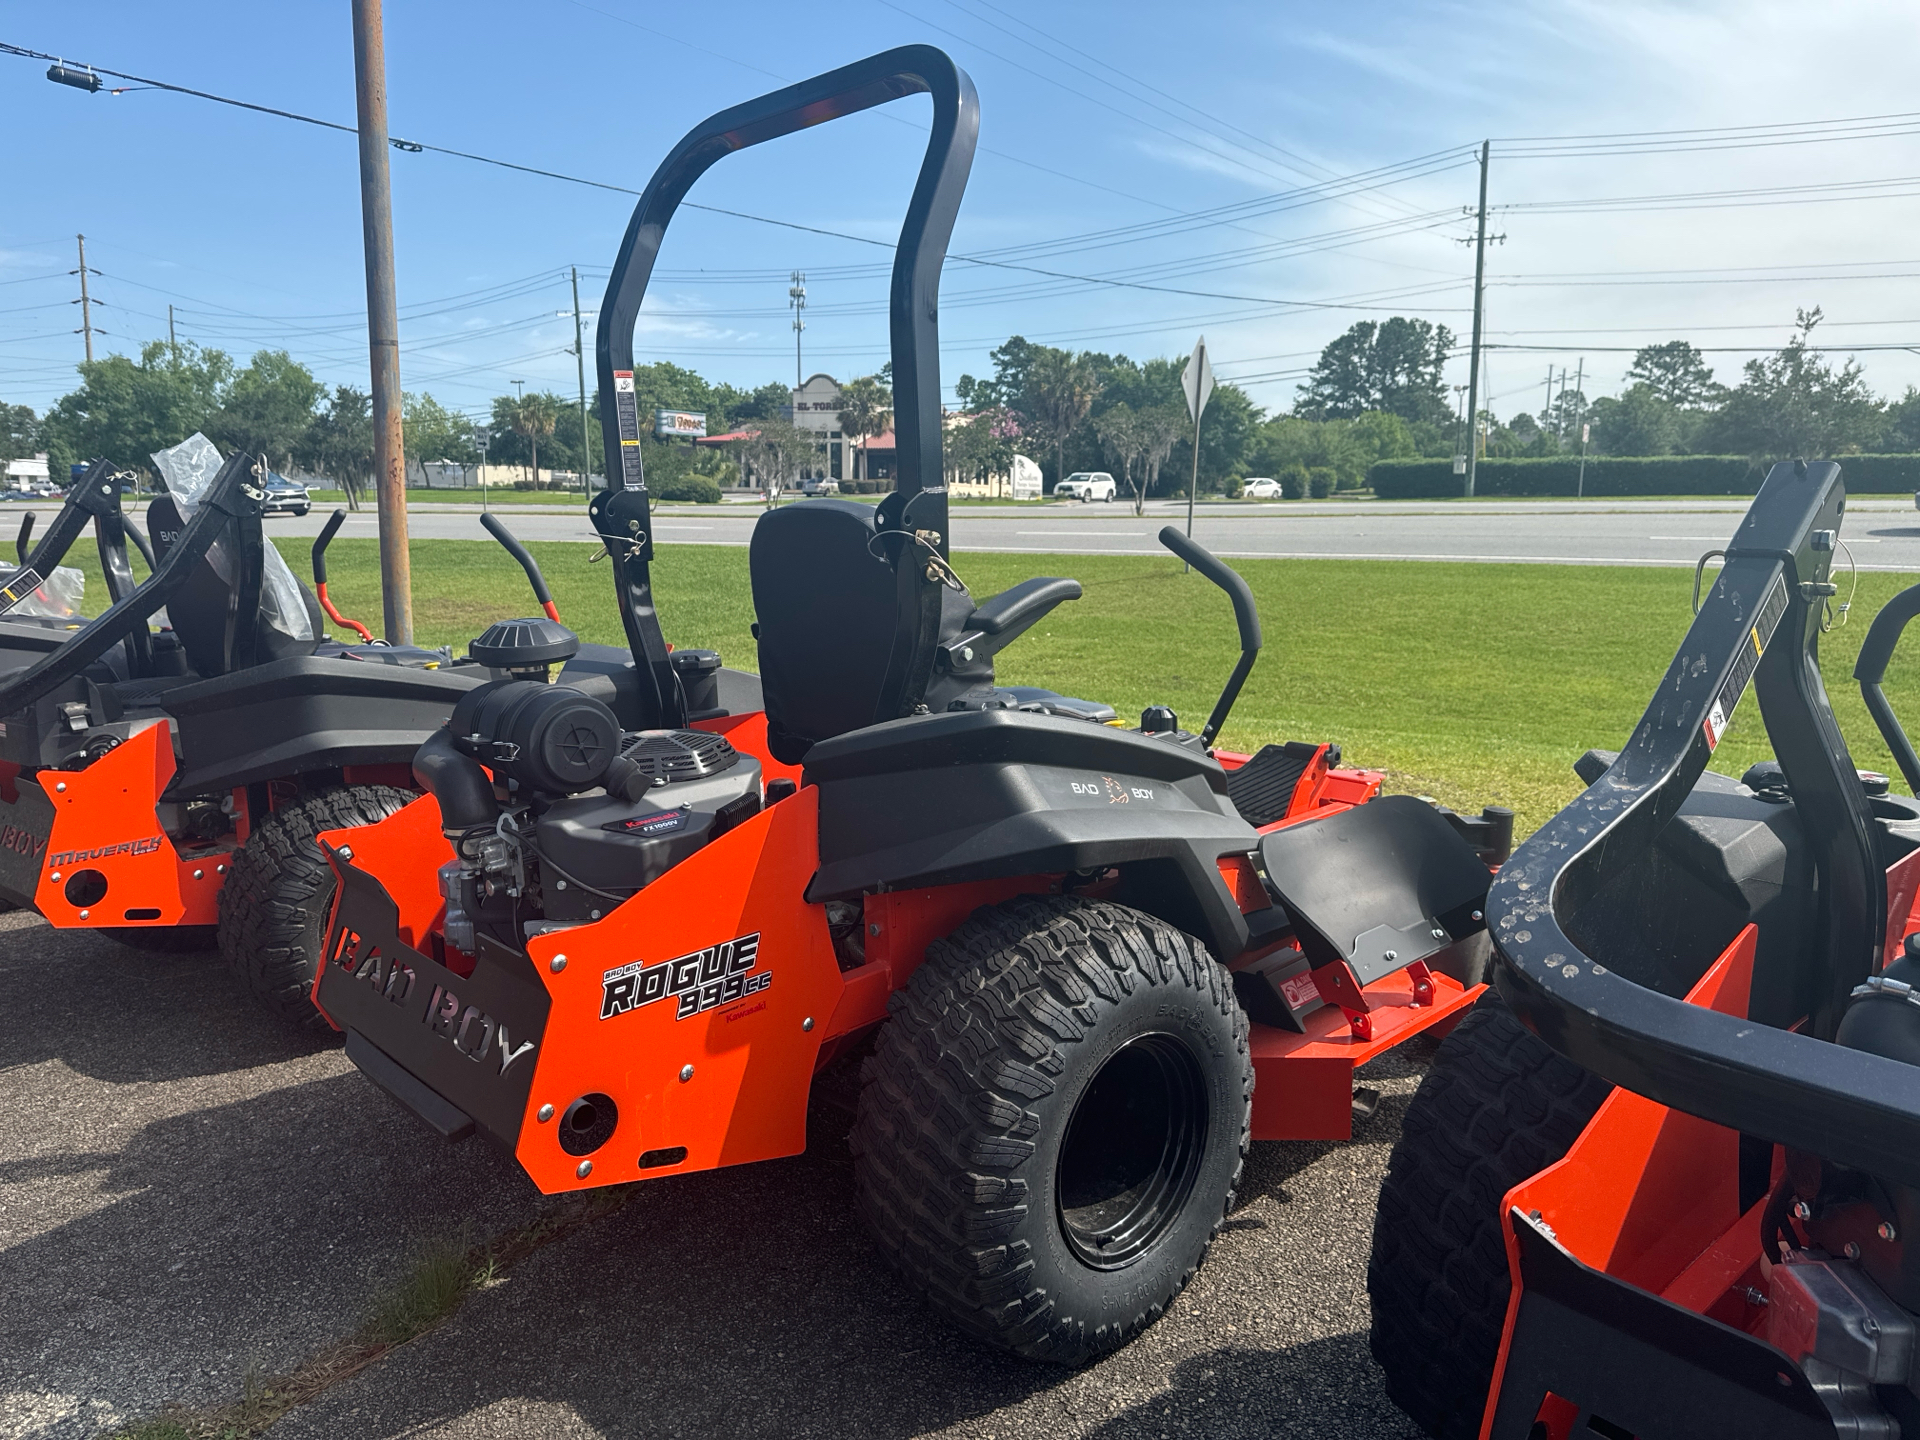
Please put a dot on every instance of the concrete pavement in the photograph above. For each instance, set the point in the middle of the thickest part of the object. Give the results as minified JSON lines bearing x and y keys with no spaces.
{"x":188,"y":1192}
{"x":1883,"y":531}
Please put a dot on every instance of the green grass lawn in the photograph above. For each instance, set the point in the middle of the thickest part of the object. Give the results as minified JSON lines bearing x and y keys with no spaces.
{"x":1475,"y":684}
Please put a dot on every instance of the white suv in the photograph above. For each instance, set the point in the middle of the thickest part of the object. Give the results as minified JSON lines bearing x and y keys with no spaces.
{"x":1086,"y":485}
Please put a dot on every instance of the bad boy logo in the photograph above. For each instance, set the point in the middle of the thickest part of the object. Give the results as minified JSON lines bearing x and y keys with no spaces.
{"x":717,"y":975}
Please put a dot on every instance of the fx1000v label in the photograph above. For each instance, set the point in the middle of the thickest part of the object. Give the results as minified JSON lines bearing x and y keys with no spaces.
{"x":717,"y":975}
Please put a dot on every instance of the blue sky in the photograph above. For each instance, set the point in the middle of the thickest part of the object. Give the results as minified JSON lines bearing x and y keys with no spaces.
{"x":1094,"y":116}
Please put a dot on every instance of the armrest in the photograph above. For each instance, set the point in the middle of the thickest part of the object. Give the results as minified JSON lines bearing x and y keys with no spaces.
{"x":1014,"y":610}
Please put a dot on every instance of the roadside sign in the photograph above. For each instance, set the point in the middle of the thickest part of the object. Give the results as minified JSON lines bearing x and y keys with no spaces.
{"x":1197,"y":380}
{"x":679,"y":424}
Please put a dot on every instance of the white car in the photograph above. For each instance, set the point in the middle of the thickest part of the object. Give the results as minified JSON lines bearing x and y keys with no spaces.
{"x":1086,"y":485}
{"x":819,"y":486}
{"x":1261,"y":489}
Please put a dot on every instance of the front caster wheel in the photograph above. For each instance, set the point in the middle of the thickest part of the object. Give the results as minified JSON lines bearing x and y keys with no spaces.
{"x":1053,"y":1123}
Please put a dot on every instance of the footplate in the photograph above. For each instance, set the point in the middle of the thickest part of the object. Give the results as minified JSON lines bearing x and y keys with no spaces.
{"x":470,"y":1040}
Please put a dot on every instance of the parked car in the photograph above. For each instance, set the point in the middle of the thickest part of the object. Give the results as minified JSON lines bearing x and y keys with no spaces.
{"x":1260,"y":489}
{"x":818,"y":486}
{"x":286,"y":497}
{"x":1086,"y":485}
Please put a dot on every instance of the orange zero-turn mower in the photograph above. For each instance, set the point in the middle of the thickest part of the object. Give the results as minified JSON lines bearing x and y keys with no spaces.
{"x":1719,"y":1246}
{"x":168,"y":794}
{"x":1086,"y":962}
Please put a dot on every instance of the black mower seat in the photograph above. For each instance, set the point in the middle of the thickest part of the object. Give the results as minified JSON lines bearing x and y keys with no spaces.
{"x":202,"y":613}
{"x":836,"y":636}
{"x":1372,"y":885}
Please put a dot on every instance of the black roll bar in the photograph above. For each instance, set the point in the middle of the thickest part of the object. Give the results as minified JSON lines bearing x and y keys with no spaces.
{"x":1871,"y":669}
{"x":510,"y":542}
{"x":1245,"y":614}
{"x":620,"y":513}
{"x":1760,"y":623}
{"x":231,"y":501}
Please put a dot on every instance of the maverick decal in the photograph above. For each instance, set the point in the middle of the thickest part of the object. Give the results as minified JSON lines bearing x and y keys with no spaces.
{"x":714,"y":976}
{"x":22,"y":842}
{"x":125,"y":847}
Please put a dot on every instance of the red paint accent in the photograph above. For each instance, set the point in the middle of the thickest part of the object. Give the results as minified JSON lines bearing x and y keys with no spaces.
{"x":1903,"y":903}
{"x":320,"y":594}
{"x":112,"y":803}
{"x":553,"y":612}
{"x":1646,"y":1193}
{"x":1249,"y":890}
{"x":1303,"y":1084}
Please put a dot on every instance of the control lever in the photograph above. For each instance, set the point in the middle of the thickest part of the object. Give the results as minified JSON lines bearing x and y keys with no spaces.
{"x":497,"y":528}
{"x":1244,"y":613}
{"x":327,"y":532}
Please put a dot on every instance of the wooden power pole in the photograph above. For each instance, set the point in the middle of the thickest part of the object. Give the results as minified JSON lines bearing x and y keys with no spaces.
{"x":1473,"y":369}
{"x":383,"y":321}
{"x":86,"y":302}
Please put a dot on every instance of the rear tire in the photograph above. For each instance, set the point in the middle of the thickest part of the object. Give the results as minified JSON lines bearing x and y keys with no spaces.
{"x":1497,"y":1105}
{"x":1053,"y":1123}
{"x":273,"y":911}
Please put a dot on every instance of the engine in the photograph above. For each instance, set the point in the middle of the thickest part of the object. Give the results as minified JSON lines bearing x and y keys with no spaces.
{"x":556,"y":816}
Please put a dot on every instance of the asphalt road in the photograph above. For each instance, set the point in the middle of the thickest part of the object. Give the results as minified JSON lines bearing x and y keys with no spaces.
{"x":1883,"y":531}
{"x":188,"y":1192}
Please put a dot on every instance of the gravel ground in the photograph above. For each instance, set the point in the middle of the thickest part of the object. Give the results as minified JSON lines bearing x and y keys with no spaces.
{"x":188,"y":1191}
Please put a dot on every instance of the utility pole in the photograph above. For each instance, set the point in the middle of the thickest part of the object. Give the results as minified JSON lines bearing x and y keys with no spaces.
{"x":383,"y":321}
{"x":580,"y":363}
{"x":173,"y":341}
{"x":1479,"y":284}
{"x":797,"y":298}
{"x":86,"y":302}
{"x":1580,"y":419}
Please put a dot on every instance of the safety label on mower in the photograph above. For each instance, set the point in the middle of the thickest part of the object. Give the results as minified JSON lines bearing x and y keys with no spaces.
{"x":717,"y":975}
{"x":16,"y":590}
{"x":626,"y":411}
{"x":1745,"y":661}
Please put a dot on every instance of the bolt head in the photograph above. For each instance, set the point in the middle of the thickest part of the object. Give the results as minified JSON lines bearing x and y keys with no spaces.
{"x":60,"y":787}
{"x":1390,"y":955}
{"x":1478,"y":916}
{"x":873,"y":929}
{"x":1802,"y":1210}
{"x":199,"y":874}
{"x":1887,"y":1232}
{"x":583,"y":1169}
{"x":686,"y":1073}
{"x":557,"y":964}
{"x":219,"y":869}
{"x":1852,"y":1250}
{"x":55,"y":877}
{"x":346,"y":852}
{"x":544,"y":1114}
{"x":85,"y":913}
{"x":966,"y":654}
{"x":1438,"y":933}
{"x":807,"y":1024}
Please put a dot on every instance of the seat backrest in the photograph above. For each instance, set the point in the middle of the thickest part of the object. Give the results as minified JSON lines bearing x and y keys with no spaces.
{"x":827,"y":607}
{"x":1372,"y":885}
{"x":203,"y":615}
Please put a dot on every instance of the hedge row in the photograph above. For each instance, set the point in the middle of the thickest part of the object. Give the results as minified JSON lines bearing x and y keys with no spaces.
{"x":1621,"y":475}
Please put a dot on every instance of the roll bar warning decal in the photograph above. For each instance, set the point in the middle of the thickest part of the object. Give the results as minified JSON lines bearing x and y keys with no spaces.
{"x":1772,"y":610}
{"x":627,"y":413}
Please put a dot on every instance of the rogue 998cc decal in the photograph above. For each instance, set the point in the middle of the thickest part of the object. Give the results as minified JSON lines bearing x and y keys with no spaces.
{"x":717,"y":975}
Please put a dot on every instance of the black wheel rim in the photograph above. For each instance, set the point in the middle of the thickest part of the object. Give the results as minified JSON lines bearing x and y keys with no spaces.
{"x":1132,"y":1151}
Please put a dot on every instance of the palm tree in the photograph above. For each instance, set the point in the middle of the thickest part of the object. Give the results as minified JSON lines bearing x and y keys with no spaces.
{"x":1062,"y":389}
{"x":866,"y":409}
{"x":534,"y":417}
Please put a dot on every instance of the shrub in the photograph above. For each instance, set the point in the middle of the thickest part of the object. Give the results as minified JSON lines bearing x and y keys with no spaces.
{"x":1233,"y":486}
{"x":1321,"y":480}
{"x":702,"y":489}
{"x":1293,"y":482}
{"x":1627,"y":475}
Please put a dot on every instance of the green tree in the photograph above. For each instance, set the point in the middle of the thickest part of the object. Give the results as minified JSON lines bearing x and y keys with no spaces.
{"x":866,"y":410}
{"x":434,"y":432}
{"x":1903,"y":423}
{"x":126,"y":409}
{"x":1393,"y":366}
{"x":735,"y":406}
{"x":19,"y":433}
{"x":267,"y":407}
{"x":1058,"y":394}
{"x":1641,"y":421}
{"x":1676,"y":373}
{"x":980,"y":445}
{"x":339,"y":442}
{"x":533,"y":418}
{"x":1797,"y":405}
